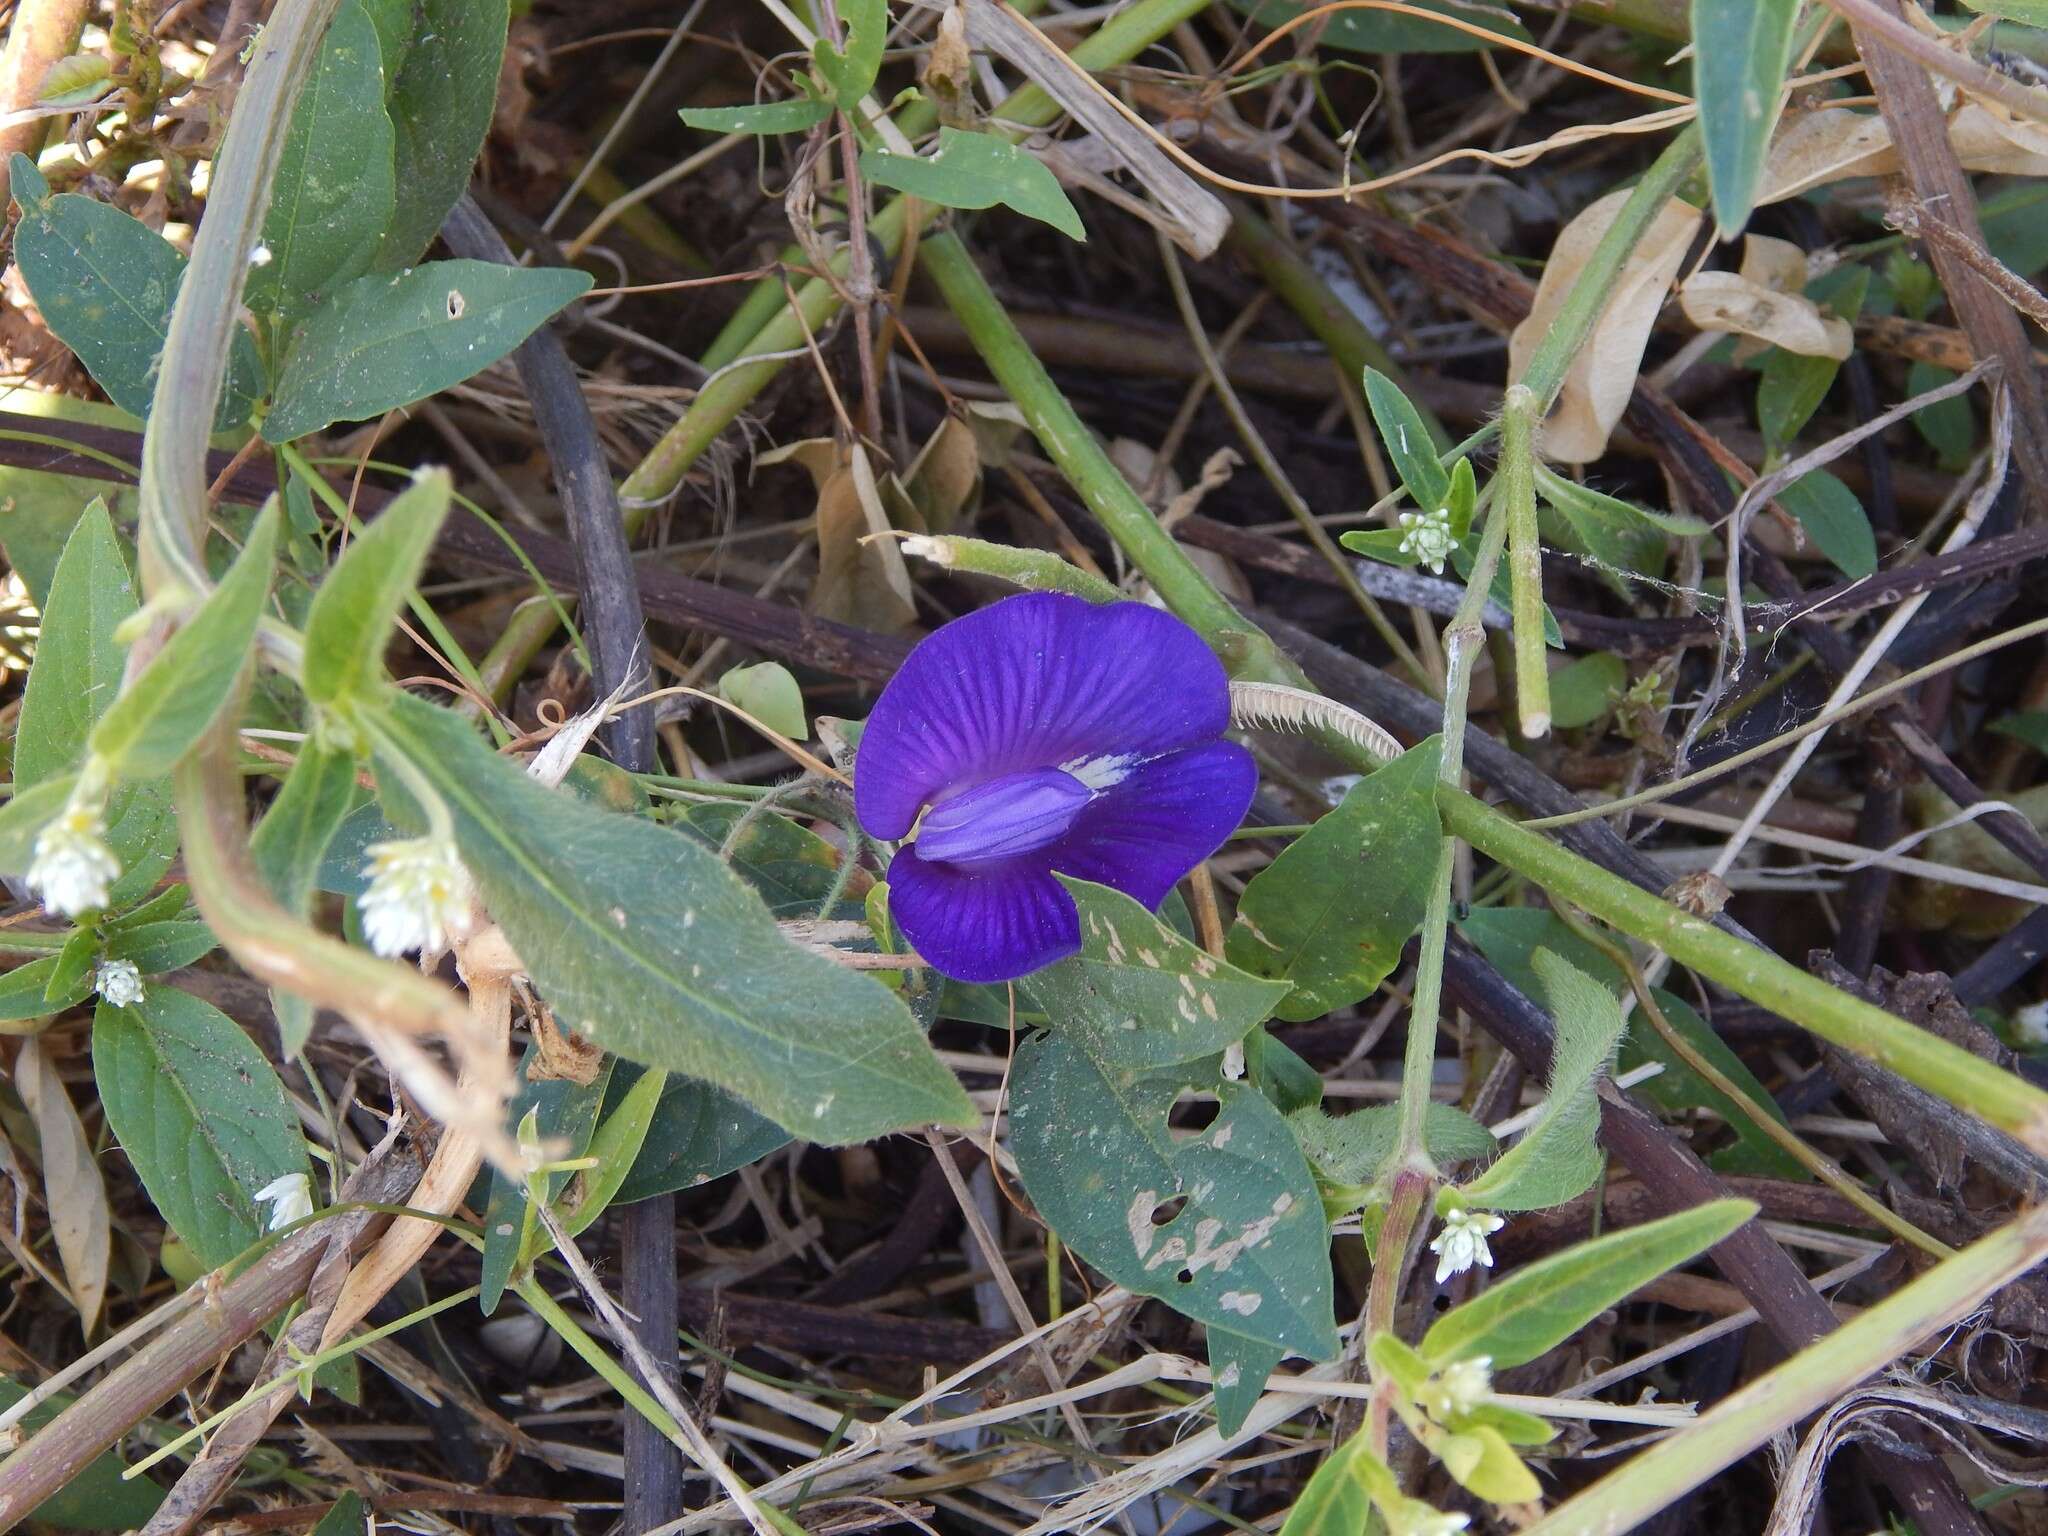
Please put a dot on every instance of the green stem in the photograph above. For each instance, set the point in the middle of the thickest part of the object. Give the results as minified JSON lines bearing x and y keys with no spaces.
{"x":1969,"y":1082}
{"x":1068,"y":442}
{"x":1517,"y":503}
{"x":1816,"y":1376}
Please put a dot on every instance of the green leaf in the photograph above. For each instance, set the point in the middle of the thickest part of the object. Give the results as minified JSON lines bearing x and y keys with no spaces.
{"x":1793,"y":386}
{"x":851,"y":73}
{"x":347,"y":1518}
{"x":643,"y":941}
{"x":2027,"y":725}
{"x":1679,"y":1089}
{"x":70,"y":980}
{"x":74,"y":677}
{"x":1741,"y":49}
{"x":564,"y":1112}
{"x":1383,"y":544}
{"x":288,"y":846}
{"x":105,"y":283}
{"x":1537,"y":1308}
{"x":444,"y":87}
{"x":170,"y":705}
{"x":1619,"y":536}
{"x":1408,"y":442}
{"x":1225,"y":1226}
{"x":335,"y":190}
{"x":381,"y":342}
{"x":1581,"y":691}
{"x":1834,"y":519}
{"x":2029,"y":13}
{"x":761,"y":117}
{"x":1331,"y":913}
{"x":25,"y":815}
{"x":76,"y":81}
{"x":977,"y":170}
{"x":1338,"y":1500}
{"x":1385,"y":32}
{"x":791,"y":867}
{"x":1558,"y":1158}
{"x":25,"y":991}
{"x":697,"y":1133}
{"x":1355,"y":1148}
{"x":357,"y":605}
{"x":98,"y":1497}
{"x":1949,"y":426}
{"x":1143,"y":995}
{"x":154,"y":948}
{"x":200,"y":1114}
{"x":769,"y":693}
{"x":1483,"y":1462}
{"x":621,"y":1135}
{"x":1238,"y":1368}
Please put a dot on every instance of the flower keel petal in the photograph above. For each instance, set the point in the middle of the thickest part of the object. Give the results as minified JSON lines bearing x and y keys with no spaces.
{"x":982,"y":922}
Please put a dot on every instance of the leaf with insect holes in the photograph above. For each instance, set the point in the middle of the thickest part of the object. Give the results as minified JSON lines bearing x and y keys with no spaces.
{"x":1408,"y":442}
{"x":764,"y":117}
{"x":105,"y":283}
{"x":1741,"y":49}
{"x":850,"y":72}
{"x":1225,"y":1226}
{"x":977,"y":170}
{"x":1558,"y":1157}
{"x":1331,"y":913}
{"x":1538,"y":1307}
{"x":646,"y":942}
{"x":1143,"y":995}
{"x":385,"y":341}
{"x":1238,"y":1368}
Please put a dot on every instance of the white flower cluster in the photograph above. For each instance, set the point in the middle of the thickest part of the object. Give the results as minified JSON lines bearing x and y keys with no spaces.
{"x":73,"y":868}
{"x":1427,"y":536}
{"x":1458,"y":1388}
{"x":1462,"y":1243}
{"x":418,"y":897}
{"x":290,"y":1198}
{"x":119,"y":982}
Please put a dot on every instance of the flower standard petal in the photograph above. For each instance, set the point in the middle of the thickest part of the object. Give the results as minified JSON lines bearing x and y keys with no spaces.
{"x":1145,"y":833}
{"x":1040,"y":680}
{"x":983,"y":922}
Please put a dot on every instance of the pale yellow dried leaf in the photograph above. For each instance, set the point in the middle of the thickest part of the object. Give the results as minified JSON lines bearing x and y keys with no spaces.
{"x":1830,"y":144}
{"x":1727,"y":301}
{"x":1775,"y":264}
{"x":1603,"y":375}
{"x":945,"y":477}
{"x":80,"y":1223}
{"x":1990,"y":139}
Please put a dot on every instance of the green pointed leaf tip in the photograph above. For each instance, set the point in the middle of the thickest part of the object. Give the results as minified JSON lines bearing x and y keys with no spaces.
{"x":170,"y":705}
{"x":643,"y":940}
{"x":1537,"y":1308}
{"x":358,"y":603}
{"x":442,"y":59}
{"x":762,"y":117}
{"x":978,"y":170}
{"x":1226,"y":1226}
{"x":1830,"y":515}
{"x":335,"y":189}
{"x":105,"y":283}
{"x":1331,"y":913}
{"x":1143,"y":995}
{"x":1558,"y":1157}
{"x":1408,"y":442}
{"x":385,"y":341}
{"x":199,"y":1112}
{"x":1741,"y":49}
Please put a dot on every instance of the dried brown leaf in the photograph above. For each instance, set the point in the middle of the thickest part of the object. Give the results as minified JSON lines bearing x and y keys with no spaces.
{"x":76,"y":1196}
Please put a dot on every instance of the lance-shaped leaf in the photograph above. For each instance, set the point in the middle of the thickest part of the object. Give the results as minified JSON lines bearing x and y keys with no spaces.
{"x":644,"y":941}
{"x":792,"y":116}
{"x":1145,"y":996}
{"x":978,"y":170}
{"x":1224,"y":1226}
{"x":442,"y":59}
{"x":357,"y":604}
{"x":382,"y":342}
{"x":1536,"y":1309}
{"x":1558,"y":1158}
{"x":1408,"y":442}
{"x":171,"y":703}
{"x":288,"y":846}
{"x":1741,"y":49}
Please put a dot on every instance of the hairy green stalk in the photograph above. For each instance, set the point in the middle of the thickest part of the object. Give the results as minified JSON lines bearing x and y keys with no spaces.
{"x":1517,"y":508}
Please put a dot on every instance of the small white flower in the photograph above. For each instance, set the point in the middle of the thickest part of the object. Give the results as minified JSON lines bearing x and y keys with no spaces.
{"x":1462,"y":1243}
{"x":259,"y":256}
{"x":119,"y":982}
{"x":418,"y":897}
{"x":1459,"y":1387}
{"x":290,"y":1198}
{"x":73,"y":867}
{"x":1437,"y":1522}
{"x":2030,"y":1025}
{"x":1427,"y":536}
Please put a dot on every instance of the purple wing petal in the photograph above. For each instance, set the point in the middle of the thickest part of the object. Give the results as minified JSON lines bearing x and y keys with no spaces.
{"x":983,"y":922}
{"x":1143,"y":835}
{"x":1034,"y":681}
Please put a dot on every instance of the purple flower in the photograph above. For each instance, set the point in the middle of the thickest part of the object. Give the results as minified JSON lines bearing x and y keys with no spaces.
{"x":1045,"y":735}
